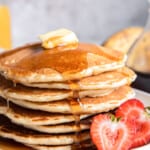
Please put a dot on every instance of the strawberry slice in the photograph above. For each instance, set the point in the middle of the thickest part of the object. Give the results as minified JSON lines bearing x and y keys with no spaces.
{"x":110,"y":133}
{"x":133,"y":112}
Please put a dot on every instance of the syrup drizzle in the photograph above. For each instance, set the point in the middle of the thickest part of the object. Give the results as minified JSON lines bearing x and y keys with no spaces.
{"x":76,"y":108}
{"x":14,"y":84}
{"x":7,"y":100}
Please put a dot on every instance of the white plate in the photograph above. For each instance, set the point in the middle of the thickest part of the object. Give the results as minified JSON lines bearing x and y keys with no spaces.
{"x":145,"y":98}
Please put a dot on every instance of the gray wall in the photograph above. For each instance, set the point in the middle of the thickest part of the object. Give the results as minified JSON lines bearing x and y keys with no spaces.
{"x":92,"y":20}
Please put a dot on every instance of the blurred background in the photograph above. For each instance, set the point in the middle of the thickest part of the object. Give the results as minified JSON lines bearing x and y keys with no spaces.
{"x":92,"y":20}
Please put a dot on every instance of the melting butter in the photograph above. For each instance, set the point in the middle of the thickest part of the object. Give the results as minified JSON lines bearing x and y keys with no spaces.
{"x":60,"y":37}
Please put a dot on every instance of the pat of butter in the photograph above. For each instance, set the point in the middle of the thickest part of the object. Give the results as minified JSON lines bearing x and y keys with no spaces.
{"x":60,"y":37}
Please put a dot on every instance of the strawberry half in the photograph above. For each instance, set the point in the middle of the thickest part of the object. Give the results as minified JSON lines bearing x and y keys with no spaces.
{"x":110,"y":133}
{"x":133,"y":112}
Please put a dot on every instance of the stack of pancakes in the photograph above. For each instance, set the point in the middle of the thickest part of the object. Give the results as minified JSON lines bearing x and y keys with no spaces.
{"x":48,"y":97}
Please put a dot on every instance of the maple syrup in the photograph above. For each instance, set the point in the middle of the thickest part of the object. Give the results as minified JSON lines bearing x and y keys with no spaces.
{"x":64,"y":61}
{"x":76,"y":108}
{"x":73,"y":102}
{"x":8,"y":104}
{"x":14,"y":83}
{"x":88,"y":145}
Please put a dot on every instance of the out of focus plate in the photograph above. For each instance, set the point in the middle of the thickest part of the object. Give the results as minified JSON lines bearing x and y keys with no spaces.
{"x":145,"y":98}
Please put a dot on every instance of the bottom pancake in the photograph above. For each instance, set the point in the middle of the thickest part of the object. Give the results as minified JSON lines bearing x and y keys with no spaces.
{"x":7,"y":144}
{"x":27,"y":136}
{"x":85,"y":145}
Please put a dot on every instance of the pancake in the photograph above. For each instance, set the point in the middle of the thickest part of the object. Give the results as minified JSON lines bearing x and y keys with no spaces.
{"x":87,"y":105}
{"x":32,"y":63}
{"x":56,"y":128}
{"x":7,"y":144}
{"x":9,"y":91}
{"x":68,"y":147}
{"x":32,"y":94}
{"x":123,"y":39}
{"x":49,"y":96}
{"x":26,"y":136}
{"x":104,"y":84}
{"x":85,"y":144}
{"x":25,"y":116}
{"x":61,"y":128}
{"x":106,"y":80}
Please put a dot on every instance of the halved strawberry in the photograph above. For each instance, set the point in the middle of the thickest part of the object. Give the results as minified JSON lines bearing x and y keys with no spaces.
{"x":141,"y":133}
{"x":109,"y":133}
{"x":130,"y":110}
{"x":133,"y":112}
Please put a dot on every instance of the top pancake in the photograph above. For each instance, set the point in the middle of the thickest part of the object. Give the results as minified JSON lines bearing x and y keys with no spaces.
{"x":32,"y":64}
